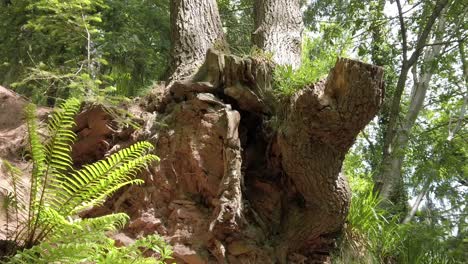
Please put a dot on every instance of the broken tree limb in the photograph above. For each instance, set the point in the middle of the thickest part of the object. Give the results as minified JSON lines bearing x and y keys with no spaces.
{"x":321,"y":124}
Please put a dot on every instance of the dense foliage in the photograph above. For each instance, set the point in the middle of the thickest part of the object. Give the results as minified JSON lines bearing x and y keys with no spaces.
{"x":57,"y":49}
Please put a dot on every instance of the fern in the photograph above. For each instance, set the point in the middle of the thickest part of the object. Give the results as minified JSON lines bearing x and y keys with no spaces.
{"x":61,"y":137}
{"x":58,"y":192}
{"x":39,"y":165}
{"x":52,"y":159}
{"x":90,"y":185}
{"x":85,"y":241}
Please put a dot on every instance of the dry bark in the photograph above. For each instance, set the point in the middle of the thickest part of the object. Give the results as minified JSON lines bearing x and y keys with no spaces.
{"x":196,"y":27}
{"x":321,"y":124}
{"x":278,"y":29}
{"x":230,"y":188}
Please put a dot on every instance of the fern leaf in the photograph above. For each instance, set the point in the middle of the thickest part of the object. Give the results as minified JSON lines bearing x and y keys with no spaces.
{"x":105,"y":223}
{"x":13,"y":201}
{"x":103,"y":187}
{"x":38,"y":157}
{"x":58,"y":148}
{"x":90,"y":185}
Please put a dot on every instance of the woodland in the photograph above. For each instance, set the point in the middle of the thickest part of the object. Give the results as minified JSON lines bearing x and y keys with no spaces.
{"x":233,"y":131}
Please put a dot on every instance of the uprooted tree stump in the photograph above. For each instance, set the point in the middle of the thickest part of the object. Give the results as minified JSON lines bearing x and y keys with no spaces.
{"x":232,"y":187}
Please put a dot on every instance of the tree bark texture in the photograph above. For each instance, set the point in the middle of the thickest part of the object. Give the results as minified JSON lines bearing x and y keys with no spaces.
{"x":321,"y":124}
{"x":230,"y":186}
{"x":278,"y":29}
{"x":196,"y":27}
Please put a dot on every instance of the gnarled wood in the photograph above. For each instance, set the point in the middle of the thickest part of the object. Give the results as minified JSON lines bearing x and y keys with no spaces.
{"x":255,"y":184}
{"x":231,"y":187}
{"x":321,"y":124}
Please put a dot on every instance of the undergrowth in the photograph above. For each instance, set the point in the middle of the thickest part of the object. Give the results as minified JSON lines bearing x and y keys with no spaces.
{"x":43,"y":224}
{"x":373,"y":236}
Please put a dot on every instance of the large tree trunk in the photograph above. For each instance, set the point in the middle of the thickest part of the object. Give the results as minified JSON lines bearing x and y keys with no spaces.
{"x":196,"y":27}
{"x":278,"y":29}
{"x":230,"y":187}
{"x":320,"y":126}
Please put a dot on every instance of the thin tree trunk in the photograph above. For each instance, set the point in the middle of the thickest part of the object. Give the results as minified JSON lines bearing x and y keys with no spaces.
{"x":406,"y":66}
{"x":461,"y":115}
{"x":196,"y":27}
{"x":378,"y":35}
{"x":278,"y":29}
{"x":397,"y":137}
{"x":418,"y":201}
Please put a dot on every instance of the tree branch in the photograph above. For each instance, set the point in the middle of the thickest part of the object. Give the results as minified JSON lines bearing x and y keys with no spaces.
{"x":402,"y":32}
{"x":427,"y":29}
{"x":445,"y":42}
{"x":461,"y":116}
{"x":371,"y":145}
{"x":418,"y":201}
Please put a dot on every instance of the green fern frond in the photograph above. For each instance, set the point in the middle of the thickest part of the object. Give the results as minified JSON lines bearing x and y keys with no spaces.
{"x":58,"y":148}
{"x":12,"y":203}
{"x":115,"y":180}
{"x":58,"y":192}
{"x":38,"y":157}
{"x":37,"y":149}
{"x":49,"y":217}
{"x":93,"y":183}
{"x":93,"y":248}
{"x":48,"y":252}
{"x":105,"y":223}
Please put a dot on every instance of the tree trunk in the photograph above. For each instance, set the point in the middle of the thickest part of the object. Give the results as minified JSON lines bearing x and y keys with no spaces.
{"x":417,"y":202}
{"x":390,"y":176}
{"x":278,"y":29}
{"x":320,"y":126}
{"x":405,"y":68}
{"x":196,"y":27}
